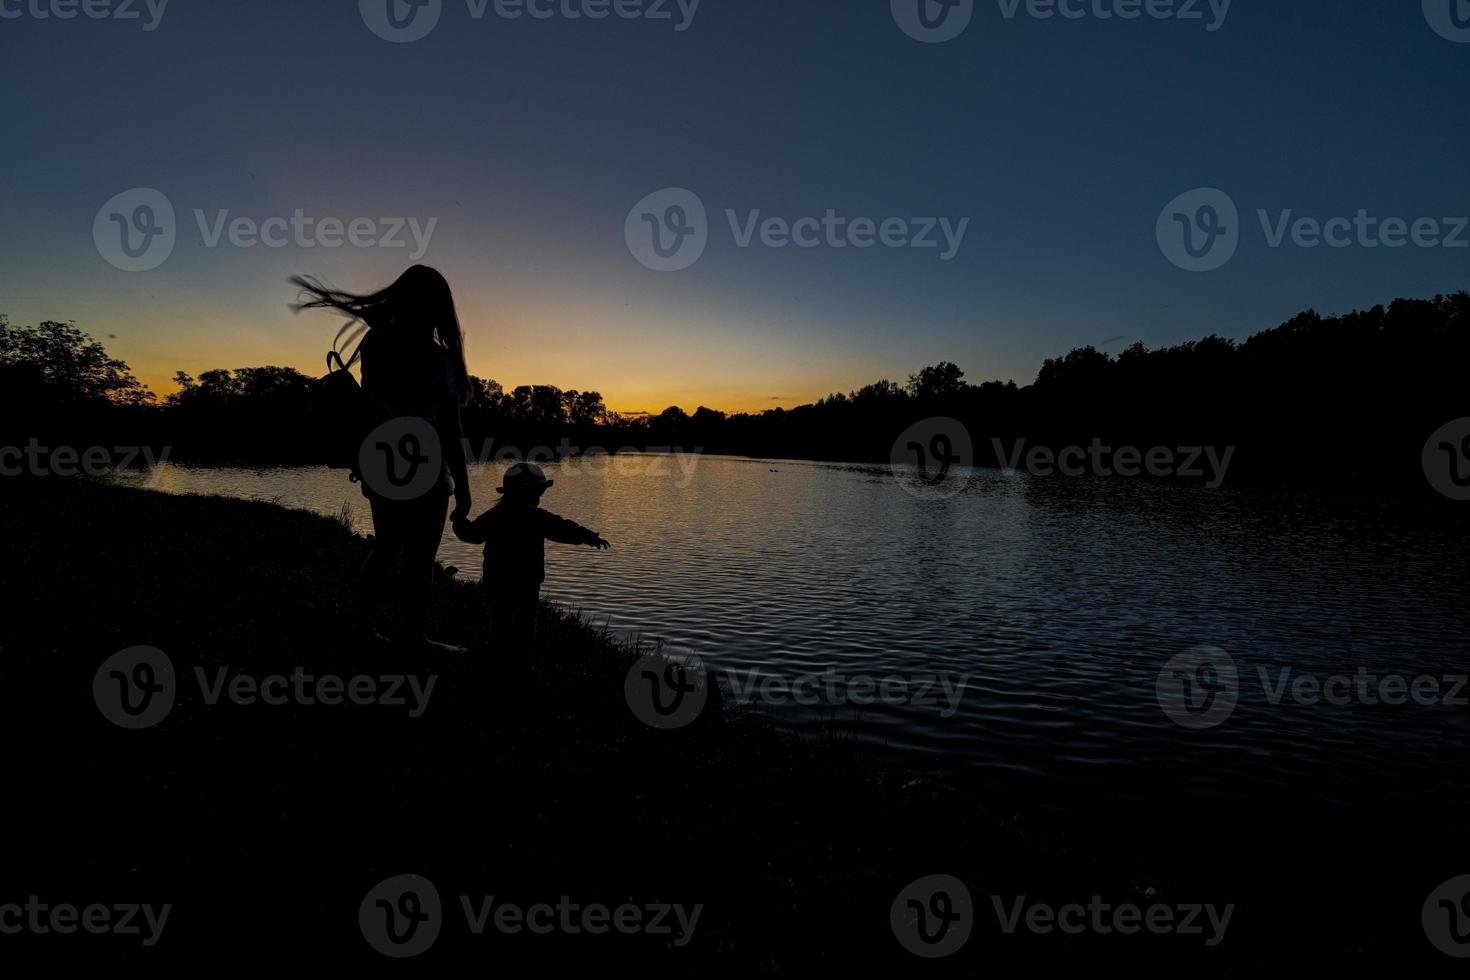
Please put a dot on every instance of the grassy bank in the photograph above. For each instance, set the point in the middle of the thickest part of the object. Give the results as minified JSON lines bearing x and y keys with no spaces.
{"x":264,"y":826}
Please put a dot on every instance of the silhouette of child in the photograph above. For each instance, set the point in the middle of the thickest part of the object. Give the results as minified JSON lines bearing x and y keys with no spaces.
{"x":514,"y":533}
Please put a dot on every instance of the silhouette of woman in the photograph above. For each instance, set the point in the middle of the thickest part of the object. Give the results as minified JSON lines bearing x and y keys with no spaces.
{"x":413,"y":364}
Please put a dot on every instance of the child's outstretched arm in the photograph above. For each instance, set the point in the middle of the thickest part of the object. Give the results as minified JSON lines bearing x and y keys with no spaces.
{"x":563,"y":531}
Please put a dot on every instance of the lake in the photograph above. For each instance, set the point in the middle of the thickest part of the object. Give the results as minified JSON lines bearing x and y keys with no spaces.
{"x":1058,"y":601}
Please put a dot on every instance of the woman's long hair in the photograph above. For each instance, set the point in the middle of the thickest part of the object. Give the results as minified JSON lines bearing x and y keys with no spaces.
{"x":418,"y":300}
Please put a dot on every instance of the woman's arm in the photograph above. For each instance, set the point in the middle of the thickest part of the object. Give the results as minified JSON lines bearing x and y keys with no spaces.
{"x":472,"y":532}
{"x":451,"y":434}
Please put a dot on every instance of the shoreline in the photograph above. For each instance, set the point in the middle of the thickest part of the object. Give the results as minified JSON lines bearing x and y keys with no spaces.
{"x":531,"y":789}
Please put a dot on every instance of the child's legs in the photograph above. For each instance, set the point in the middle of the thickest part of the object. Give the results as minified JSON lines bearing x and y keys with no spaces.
{"x":500,"y":620}
{"x":523,"y":628}
{"x":513,"y":620}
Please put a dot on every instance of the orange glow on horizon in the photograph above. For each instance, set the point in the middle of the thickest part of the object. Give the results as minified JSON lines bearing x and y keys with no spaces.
{"x":637,"y":400}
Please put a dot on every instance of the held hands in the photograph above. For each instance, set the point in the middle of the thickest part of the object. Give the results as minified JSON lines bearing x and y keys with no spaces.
{"x":461,"y":506}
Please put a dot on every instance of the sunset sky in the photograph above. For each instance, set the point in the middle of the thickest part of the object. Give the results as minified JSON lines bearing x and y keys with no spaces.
{"x":528,"y":141}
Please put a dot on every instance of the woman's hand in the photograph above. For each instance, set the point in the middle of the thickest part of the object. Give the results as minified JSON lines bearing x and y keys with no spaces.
{"x":462,"y":503}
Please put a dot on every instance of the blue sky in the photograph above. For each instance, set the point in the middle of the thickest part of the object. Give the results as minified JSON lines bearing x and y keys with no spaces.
{"x":528,"y":141}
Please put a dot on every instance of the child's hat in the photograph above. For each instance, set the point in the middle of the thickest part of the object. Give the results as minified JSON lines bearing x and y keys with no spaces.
{"x":523,"y":476}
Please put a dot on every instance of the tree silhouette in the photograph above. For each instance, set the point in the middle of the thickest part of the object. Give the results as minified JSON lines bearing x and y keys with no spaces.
{"x":70,"y":365}
{"x":1346,"y":400}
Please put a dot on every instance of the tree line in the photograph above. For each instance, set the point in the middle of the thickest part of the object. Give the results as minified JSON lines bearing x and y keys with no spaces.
{"x":1345,"y":399}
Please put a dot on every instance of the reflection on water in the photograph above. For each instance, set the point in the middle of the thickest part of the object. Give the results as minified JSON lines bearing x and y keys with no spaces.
{"x":1058,"y":600}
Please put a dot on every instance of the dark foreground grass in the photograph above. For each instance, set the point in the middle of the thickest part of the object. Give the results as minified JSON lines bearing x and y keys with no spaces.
{"x":265,"y":826}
